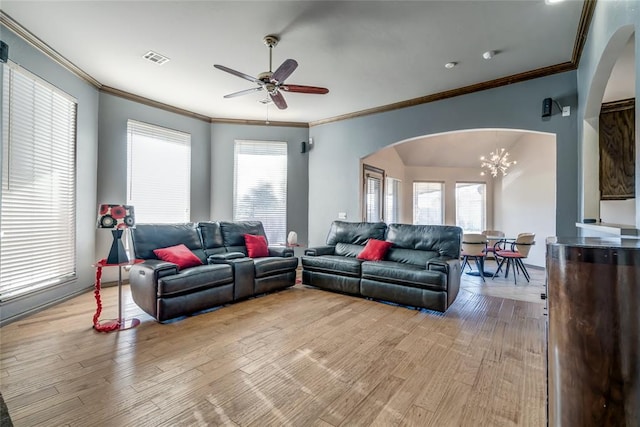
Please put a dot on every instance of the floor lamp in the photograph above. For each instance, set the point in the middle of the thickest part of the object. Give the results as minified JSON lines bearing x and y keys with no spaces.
{"x":117,"y":218}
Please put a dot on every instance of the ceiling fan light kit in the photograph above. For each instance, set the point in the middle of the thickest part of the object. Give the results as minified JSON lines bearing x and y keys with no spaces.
{"x":273,"y":81}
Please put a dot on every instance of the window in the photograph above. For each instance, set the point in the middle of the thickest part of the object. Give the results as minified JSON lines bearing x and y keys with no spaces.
{"x":392,"y":200}
{"x":158,"y":173}
{"x":373,"y":183}
{"x":260,"y":186}
{"x":427,"y":203}
{"x":471,"y":206}
{"x":37,"y":212}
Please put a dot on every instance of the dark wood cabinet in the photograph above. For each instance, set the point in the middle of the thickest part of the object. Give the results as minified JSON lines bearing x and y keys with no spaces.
{"x":617,"y":150}
{"x":593,"y":348}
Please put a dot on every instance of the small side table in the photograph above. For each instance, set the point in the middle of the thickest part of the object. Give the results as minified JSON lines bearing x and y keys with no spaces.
{"x":120,"y":323}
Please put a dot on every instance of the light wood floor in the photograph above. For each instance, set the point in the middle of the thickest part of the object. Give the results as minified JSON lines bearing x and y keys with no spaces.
{"x":300,"y":357}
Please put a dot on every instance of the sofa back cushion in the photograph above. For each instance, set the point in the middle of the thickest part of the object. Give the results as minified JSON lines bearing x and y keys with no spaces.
{"x":434,"y":240}
{"x":348,"y":249}
{"x":147,"y":237}
{"x":211,"y":237}
{"x":355,"y":233}
{"x":233,"y":234}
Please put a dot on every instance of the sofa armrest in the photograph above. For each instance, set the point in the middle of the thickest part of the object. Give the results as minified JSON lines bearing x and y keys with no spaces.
{"x":221,"y":258}
{"x":320,"y":250}
{"x":157,"y":268}
{"x":143,"y":281}
{"x":450,"y":267}
{"x":441,"y":264}
{"x":281,"y":251}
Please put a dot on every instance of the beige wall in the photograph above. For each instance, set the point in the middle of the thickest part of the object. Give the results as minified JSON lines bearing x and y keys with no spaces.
{"x":527,"y":201}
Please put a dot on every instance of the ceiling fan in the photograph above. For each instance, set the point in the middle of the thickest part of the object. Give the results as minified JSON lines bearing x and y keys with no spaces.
{"x":273,"y":82}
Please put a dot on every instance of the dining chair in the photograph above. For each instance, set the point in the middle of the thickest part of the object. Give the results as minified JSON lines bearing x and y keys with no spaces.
{"x":492,"y":244}
{"x":473,"y":247}
{"x":513,"y":257}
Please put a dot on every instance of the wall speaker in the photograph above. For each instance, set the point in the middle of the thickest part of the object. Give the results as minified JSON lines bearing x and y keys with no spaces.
{"x":303,"y":147}
{"x":4,"y":51}
{"x":547,"y":107}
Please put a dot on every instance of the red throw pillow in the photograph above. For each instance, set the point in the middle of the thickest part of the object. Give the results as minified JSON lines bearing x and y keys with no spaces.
{"x":179,"y":254}
{"x":375,"y":250}
{"x":256,"y":246}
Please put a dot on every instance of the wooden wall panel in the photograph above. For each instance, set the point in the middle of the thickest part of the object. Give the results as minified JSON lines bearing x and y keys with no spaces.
{"x":617,"y":151}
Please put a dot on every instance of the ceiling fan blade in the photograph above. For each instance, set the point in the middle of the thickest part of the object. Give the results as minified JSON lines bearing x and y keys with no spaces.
{"x":284,"y":70}
{"x":237,"y":73}
{"x":278,"y":99}
{"x":244,"y":92}
{"x":305,"y":89}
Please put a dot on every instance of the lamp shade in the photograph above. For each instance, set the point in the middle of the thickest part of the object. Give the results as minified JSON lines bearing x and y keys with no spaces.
{"x":116,"y":216}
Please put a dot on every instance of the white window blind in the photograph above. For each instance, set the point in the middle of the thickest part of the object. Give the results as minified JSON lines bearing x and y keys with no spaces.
{"x":158,"y":173}
{"x":37,"y":214}
{"x":392,"y":200}
{"x":428,"y":203}
{"x":471,"y":206}
{"x":260,"y":186}
{"x":374,"y":189}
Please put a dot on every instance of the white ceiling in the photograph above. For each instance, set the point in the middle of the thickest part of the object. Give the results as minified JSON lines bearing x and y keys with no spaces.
{"x":368,"y":53}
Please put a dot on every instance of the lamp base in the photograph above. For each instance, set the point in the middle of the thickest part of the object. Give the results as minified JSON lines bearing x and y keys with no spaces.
{"x":117,"y":254}
{"x":124,"y":323}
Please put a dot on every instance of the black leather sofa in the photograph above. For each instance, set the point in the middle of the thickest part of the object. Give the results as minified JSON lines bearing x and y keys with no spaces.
{"x":421,"y":269}
{"x":164,"y":291}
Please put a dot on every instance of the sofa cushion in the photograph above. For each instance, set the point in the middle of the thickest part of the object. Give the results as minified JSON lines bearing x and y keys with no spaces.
{"x":336,"y":264}
{"x":256,"y":246}
{"x":147,"y":237}
{"x":442,"y":239}
{"x":270,"y":266}
{"x":410,"y":256}
{"x":405,"y":274}
{"x":233,"y":232}
{"x":374,"y":250}
{"x":195,"y":278}
{"x":348,"y":249}
{"x":211,"y":237}
{"x":356,"y":233}
{"x":179,"y":255}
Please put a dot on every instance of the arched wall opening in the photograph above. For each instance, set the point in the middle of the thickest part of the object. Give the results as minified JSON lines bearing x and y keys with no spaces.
{"x":524,"y":200}
{"x":613,"y":80}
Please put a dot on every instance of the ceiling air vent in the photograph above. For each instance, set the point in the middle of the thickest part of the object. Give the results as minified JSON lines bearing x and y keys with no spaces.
{"x":155,"y":57}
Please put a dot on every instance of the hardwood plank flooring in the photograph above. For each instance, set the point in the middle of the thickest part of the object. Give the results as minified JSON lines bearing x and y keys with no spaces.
{"x":299,"y":357}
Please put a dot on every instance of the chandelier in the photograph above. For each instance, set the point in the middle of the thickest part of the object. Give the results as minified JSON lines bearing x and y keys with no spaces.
{"x":498,"y":161}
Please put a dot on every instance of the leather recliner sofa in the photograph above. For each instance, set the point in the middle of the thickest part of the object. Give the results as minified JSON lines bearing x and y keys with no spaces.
{"x":420,"y":269}
{"x":226,"y":275}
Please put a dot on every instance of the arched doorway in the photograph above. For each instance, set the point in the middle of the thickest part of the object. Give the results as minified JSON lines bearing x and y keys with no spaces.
{"x":522,"y":201}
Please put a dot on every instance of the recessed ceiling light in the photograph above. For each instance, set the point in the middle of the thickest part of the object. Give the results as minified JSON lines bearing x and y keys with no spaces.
{"x":489,"y":54}
{"x":155,"y":57}
{"x":450,"y":64}
{"x":553,"y":1}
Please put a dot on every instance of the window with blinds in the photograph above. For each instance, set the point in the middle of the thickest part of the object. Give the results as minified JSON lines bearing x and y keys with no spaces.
{"x":471,"y":206}
{"x":260,"y":186}
{"x":37,"y":211}
{"x":373,"y":193}
{"x":428,"y":203}
{"x":392,"y":200}
{"x":158,"y":173}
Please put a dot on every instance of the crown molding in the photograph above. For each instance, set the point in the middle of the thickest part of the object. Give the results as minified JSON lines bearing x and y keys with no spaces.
{"x":151,"y":103}
{"x":503,"y":81}
{"x":260,"y":123}
{"x":34,"y":41}
{"x":588,"y":8}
